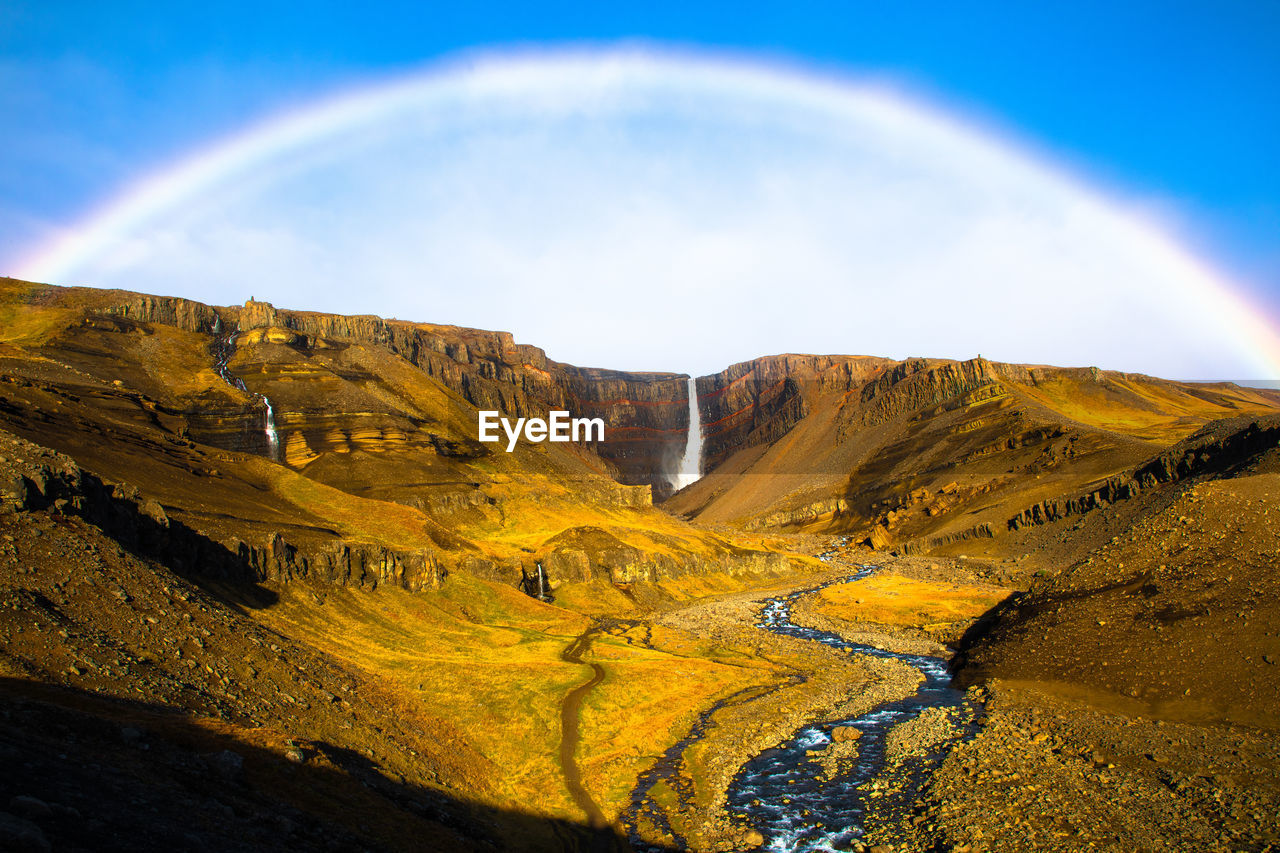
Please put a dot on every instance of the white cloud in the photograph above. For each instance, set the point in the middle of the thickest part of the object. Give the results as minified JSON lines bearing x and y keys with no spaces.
{"x":654,"y":213}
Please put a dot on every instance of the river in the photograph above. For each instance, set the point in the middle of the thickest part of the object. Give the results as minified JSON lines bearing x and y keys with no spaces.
{"x":784,"y":792}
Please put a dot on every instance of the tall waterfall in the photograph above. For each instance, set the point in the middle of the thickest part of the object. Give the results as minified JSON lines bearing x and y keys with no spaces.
{"x":691,"y":463}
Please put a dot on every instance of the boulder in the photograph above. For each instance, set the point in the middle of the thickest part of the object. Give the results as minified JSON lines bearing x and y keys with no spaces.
{"x":840,"y":734}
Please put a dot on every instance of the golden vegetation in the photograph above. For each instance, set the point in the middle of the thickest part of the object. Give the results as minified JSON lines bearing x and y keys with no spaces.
{"x":485,"y":657}
{"x":488,"y":658}
{"x":887,"y":598}
{"x":1150,"y":410}
{"x":22,"y":322}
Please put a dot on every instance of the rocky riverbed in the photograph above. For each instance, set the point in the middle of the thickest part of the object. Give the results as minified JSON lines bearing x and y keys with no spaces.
{"x":823,"y":683}
{"x":808,"y":794}
{"x":699,"y":802}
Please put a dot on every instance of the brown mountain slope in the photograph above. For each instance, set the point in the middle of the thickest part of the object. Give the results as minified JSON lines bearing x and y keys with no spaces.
{"x":1132,"y":691}
{"x":377,"y":440}
{"x":352,"y":613}
{"x":378,"y":546}
{"x":1135,"y":597}
{"x":927,"y":450}
{"x":417,"y":710}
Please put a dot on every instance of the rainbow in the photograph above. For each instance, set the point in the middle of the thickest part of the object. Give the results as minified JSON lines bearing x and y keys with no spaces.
{"x":591,"y":80}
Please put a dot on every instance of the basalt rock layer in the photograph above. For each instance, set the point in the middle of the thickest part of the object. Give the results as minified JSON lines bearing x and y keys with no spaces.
{"x":757,"y":402}
{"x":1214,"y":451}
{"x":919,"y":453}
{"x":34,"y":478}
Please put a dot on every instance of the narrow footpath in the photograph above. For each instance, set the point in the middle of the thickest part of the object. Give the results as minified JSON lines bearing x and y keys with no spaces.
{"x":570,"y":711}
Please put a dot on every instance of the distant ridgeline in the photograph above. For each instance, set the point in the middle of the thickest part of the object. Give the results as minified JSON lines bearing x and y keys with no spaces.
{"x":645,"y":415}
{"x":297,"y":444}
{"x":891,"y":452}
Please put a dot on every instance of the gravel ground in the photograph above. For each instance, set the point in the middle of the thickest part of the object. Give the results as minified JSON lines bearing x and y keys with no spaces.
{"x":824,"y":684}
{"x":1052,"y":773}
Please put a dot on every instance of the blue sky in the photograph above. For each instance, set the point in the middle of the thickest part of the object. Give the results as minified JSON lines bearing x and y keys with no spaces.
{"x":1170,"y":103}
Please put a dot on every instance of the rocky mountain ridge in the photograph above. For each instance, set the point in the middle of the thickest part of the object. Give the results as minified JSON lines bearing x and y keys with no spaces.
{"x":373,"y":474}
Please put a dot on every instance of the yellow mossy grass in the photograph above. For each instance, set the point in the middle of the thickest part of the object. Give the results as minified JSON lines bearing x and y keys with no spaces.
{"x":887,"y":598}
{"x":487,"y":658}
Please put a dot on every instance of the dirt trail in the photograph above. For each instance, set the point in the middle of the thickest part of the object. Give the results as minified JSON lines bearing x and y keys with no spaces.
{"x":569,"y":713}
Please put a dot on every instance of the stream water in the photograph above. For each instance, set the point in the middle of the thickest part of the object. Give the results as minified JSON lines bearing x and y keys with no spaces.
{"x":783,"y":792}
{"x":223,"y":350}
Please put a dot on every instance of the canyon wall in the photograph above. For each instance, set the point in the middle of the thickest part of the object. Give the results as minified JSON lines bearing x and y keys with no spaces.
{"x":757,"y":402}
{"x":645,"y":414}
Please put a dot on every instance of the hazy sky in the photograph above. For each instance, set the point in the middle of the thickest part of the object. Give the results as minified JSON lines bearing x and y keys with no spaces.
{"x":678,"y":216}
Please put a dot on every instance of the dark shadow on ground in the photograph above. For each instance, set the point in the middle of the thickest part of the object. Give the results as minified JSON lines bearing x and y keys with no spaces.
{"x":142,"y":528}
{"x":85,"y":772}
{"x":997,"y":618}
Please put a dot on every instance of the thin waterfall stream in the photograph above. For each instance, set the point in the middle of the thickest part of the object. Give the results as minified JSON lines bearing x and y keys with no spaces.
{"x":273,"y":440}
{"x":542,"y":584}
{"x":225,"y":348}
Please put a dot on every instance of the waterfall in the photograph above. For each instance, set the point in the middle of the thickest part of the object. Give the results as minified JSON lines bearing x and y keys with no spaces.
{"x":543,"y":594}
{"x":272,"y":440}
{"x":222,"y":355}
{"x":691,"y":463}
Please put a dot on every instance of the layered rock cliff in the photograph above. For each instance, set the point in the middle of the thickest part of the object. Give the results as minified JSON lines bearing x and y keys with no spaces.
{"x":386,"y":409}
{"x":380,"y":478}
{"x":757,"y":402}
{"x":645,"y":414}
{"x":926,"y":453}
{"x":35,"y":478}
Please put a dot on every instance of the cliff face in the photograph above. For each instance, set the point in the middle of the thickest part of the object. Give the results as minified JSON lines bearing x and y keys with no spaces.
{"x":747,"y":405}
{"x":926,"y":453}
{"x":893,"y":452}
{"x":757,"y":402}
{"x":645,"y":414}
{"x":918,"y":383}
{"x":646,"y":418}
{"x":378,"y":474}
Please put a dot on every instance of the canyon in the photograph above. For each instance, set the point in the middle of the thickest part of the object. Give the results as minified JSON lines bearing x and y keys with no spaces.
{"x":261,"y":567}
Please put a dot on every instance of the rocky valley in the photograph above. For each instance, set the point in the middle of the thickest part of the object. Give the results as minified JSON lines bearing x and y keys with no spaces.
{"x":263,"y":587}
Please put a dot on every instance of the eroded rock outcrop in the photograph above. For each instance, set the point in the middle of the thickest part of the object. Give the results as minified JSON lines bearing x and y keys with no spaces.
{"x":592,"y":553}
{"x":34,"y":478}
{"x":917,"y":383}
{"x":1215,"y":450}
{"x":645,"y":414}
{"x":759,"y":401}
